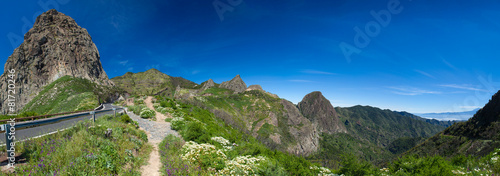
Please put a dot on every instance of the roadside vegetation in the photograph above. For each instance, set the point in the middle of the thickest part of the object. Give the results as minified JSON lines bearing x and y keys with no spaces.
{"x":213,"y":147}
{"x":86,"y":150}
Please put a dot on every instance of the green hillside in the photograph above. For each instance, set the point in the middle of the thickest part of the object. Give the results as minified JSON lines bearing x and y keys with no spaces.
{"x":68,"y":94}
{"x":151,"y":82}
{"x":381,"y":127}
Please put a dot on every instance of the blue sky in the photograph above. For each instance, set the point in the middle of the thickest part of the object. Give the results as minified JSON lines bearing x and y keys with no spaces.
{"x":429,"y":57}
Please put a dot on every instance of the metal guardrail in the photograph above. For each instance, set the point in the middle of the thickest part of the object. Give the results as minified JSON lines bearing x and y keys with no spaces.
{"x":8,"y":128}
{"x":42,"y":116}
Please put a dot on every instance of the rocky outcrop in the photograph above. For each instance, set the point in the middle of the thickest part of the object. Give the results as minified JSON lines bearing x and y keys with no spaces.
{"x":315,"y":107}
{"x":209,"y":84}
{"x":307,"y":135}
{"x":236,"y":84}
{"x":56,"y":46}
{"x":255,"y":87}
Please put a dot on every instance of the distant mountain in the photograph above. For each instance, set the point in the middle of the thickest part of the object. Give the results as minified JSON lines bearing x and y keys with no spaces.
{"x":151,"y":82}
{"x":477,"y":137}
{"x":373,"y":134}
{"x":56,"y":46}
{"x":383,"y":126}
{"x":444,"y":123}
{"x":449,"y":115}
{"x":315,"y":107}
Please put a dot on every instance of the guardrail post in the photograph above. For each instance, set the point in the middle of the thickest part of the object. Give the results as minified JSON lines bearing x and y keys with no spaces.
{"x":8,"y":141}
{"x":93,"y":115}
{"x":114,"y":109}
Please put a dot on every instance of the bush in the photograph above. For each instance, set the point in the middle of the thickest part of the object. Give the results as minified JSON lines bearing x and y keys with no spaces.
{"x":196,"y":132}
{"x":352,"y":166}
{"x":125,"y":118}
{"x":136,"y":109}
{"x":413,"y":165}
{"x":177,"y":123}
{"x":147,"y":113}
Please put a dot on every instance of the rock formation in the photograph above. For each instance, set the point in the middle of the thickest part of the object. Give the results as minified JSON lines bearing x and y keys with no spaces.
{"x":255,"y":87}
{"x":209,"y":84}
{"x":307,"y":136}
{"x":315,"y":107}
{"x":236,"y":84}
{"x":56,"y":46}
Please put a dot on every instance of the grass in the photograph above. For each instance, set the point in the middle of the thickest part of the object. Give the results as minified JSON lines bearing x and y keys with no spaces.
{"x":64,"y":95}
{"x":85,"y":150}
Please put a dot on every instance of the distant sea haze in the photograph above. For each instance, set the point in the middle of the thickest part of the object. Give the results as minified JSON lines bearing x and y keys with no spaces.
{"x":449,"y":115}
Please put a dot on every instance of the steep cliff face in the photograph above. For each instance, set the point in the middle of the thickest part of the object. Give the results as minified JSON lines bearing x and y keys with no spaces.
{"x":236,"y":84}
{"x":56,"y":46}
{"x":315,"y":107}
{"x":307,"y":135}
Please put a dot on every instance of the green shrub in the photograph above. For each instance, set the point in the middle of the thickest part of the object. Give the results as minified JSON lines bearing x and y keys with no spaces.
{"x":125,"y":118}
{"x":353,"y":166}
{"x":414,"y":165}
{"x":177,"y":123}
{"x":195,"y":132}
{"x":147,"y":113}
{"x":136,"y":109}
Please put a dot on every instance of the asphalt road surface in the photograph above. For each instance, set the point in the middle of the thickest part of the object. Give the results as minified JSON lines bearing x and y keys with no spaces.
{"x":35,"y":131}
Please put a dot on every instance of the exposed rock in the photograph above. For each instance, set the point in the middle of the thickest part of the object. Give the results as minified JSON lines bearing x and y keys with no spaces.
{"x":108,"y":133}
{"x":209,"y":84}
{"x":236,"y":84}
{"x":315,"y":107}
{"x":56,"y":46}
{"x":307,"y":136}
{"x":254,"y":87}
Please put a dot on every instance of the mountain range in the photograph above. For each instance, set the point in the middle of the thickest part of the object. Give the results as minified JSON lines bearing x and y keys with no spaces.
{"x":58,"y":69}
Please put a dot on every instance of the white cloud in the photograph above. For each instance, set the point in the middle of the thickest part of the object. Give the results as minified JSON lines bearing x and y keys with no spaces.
{"x":425,"y":74}
{"x":403,"y":90}
{"x":317,"y":72}
{"x":130,"y":68}
{"x":449,"y":64}
{"x":463,"y":87}
{"x":123,"y":62}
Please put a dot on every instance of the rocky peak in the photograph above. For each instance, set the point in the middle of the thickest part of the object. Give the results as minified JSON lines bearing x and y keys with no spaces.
{"x":56,"y":46}
{"x":255,"y":87}
{"x":315,"y":107}
{"x":236,"y":84}
{"x":210,"y":83}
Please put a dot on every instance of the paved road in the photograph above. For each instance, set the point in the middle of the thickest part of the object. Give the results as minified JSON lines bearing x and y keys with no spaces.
{"x":26,"y":133}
